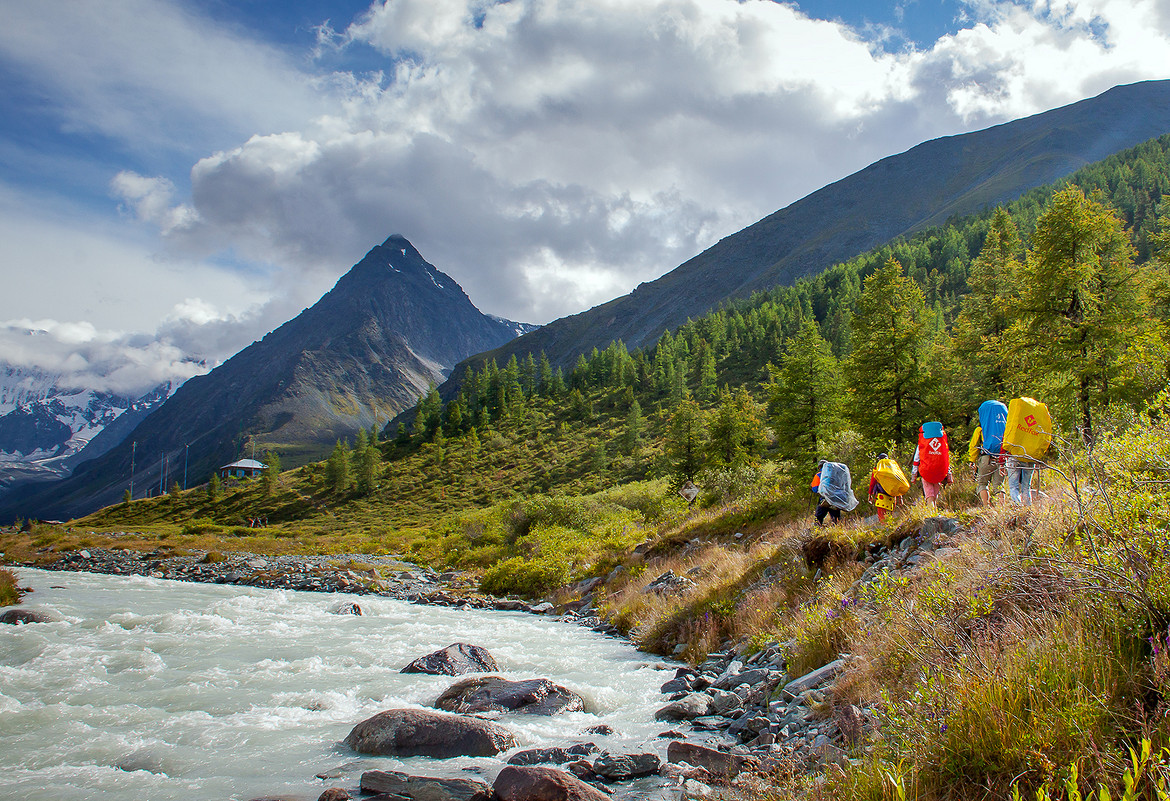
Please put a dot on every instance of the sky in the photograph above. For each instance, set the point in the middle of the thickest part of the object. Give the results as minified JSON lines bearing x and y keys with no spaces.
{"x":178,"y":177}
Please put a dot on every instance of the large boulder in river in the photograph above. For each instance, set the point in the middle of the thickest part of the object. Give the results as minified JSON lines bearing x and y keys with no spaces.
{"x":495,"y":694}
{"x":454,"y":660}
{"x":527,"y":783}
{"x":16,"y":615}
{"x":418,"y":732}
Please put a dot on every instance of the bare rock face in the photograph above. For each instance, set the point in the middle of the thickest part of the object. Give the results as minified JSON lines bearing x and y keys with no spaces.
{"x":494,"y":694}
{"x":527,"y":783}
{"x":456,"y":659}
{"x":417,"y":732}
{"x":423,"y":788}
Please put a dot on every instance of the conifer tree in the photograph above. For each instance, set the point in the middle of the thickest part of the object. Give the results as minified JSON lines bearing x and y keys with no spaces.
{"x":1081,"y":305}
{"x":271,"y":477}
{"x":989,"y":308}
{"x":635,"y":426}
{"x":886,"y":372}
{"x":805,"y":393}
{"x":214,"y":488}
{"x":337,"y":469}
{"x":736,"y":434}
{"x":686,"y":440}
{"x":429,"y":415}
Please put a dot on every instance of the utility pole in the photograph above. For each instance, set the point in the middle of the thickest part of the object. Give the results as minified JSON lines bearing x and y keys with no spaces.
{"x":186,"y":448}
{"x":133,"y":448}
{"x":162,"y":472}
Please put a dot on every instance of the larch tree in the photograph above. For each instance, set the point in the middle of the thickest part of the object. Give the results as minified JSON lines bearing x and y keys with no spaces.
{"x":990,"y":307}
{"x":736,"y":433}
{"x":1082,"y":305}
{"x":686,"y":438}
{"x":886,"y":372}
{"x":804,"y":394}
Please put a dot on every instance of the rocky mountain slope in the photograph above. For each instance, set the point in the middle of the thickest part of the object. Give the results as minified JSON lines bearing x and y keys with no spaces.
{"x":47,"y":428}
{"x":896,"y":196}
{"x":391,"y":327}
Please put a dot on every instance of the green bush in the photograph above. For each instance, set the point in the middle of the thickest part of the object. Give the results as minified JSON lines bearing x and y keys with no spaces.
{"x":9,"y":595}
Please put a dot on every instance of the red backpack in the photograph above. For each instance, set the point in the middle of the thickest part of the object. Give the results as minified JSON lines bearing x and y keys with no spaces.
{"x":934,"y":454}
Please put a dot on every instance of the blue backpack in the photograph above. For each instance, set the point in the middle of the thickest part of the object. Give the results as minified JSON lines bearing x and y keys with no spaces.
{"x":993,"y":419}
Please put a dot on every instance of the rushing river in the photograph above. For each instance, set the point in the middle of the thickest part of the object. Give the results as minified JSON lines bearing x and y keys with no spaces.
{"x":158,"y":689}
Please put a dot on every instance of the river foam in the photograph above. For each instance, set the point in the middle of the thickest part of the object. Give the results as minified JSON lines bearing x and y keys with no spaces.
{"x":168,"y":690}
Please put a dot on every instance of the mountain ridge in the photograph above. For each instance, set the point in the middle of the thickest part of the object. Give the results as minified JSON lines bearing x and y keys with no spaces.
{"x":850,"y":216}
{"x":391,"y":327}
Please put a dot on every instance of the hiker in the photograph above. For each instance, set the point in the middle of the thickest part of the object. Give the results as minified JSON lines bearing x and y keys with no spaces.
{"x":932,"y":459}
{"x":989,"y":467}
{"x":835,"y":488}
{"x":885,"y":496}
{"x":1028,"y":434}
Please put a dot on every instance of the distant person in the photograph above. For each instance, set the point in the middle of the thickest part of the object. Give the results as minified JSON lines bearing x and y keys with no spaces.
{"x":932,"y":460}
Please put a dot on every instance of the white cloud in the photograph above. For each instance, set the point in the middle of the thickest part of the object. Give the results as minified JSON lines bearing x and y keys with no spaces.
{"x":154,"y":74}
{"x":548,"y":154}
{"x":83,"y":357}
{"x":551,"y":154}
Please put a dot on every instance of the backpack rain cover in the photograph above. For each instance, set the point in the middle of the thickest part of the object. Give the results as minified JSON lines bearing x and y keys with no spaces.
{"x":934,"y":455}
{"x":837,"y":486}
{"x":993,"y":419}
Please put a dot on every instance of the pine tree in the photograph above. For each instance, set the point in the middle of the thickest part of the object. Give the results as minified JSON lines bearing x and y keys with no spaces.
{"x":1082,"y":305}
{"x":886,"y":372}
{"x":989,"y":309}
{"x":686,"y":440}
{"x":429,"y":416}
{"x":214,"y":488}
{"x":805,"y":393}
{"x":337,"y":468}
{"x":635,"y":426}
{"x":271,"y":479}
{"x":736,"y":434}
{"x":126,"y":497}
{"x":369,"y":465}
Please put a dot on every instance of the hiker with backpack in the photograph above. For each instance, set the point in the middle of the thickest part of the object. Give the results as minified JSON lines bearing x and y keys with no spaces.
{"x":835,"y":488}
{"x":932,"y":459}
{"x":887,"y":485}
{"x":989,"y":466}
{"x":1027,"y":435}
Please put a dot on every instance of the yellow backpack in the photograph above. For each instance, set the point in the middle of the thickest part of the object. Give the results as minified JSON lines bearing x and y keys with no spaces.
{"x":891,"y":477}
{"x":1029,"y":428}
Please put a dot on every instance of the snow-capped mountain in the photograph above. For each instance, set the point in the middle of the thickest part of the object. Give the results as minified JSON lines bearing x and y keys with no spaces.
{"x":45,"y":427}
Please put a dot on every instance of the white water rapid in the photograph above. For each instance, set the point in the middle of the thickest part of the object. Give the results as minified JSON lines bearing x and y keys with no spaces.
{"x":154,"y":689}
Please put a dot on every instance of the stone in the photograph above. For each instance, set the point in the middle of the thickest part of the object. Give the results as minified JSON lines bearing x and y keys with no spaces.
{"x":815,"y":678}
{"x":557,"y":756}
{"x":456,"y":659}
{"x":16,"y":615}
{"x":719,"y":763}
{"x":752,"y":676}
{"x":495,"y":694}
{"x":517,"y":783}
{"x":726,"y":703}
{"x":669,"y":584}
{"x":693,"y":789}
{"x":600,"y":728}
{"x":334,"y":794}
{"x":688,"y":707}
{"x":620,"y":767}
{"x":347,"y":609}
{"x":542,"y":608}
{"x":424,"y":788}
{"x":418,"y":732}
{"x":933,"y":526}
{"x":679,"y":684}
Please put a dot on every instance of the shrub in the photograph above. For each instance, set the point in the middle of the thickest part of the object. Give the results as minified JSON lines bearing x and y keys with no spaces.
{"x":9,"y":594}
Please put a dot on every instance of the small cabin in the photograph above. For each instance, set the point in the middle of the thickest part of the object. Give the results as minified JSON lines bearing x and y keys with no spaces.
{"x":244,"y":468}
